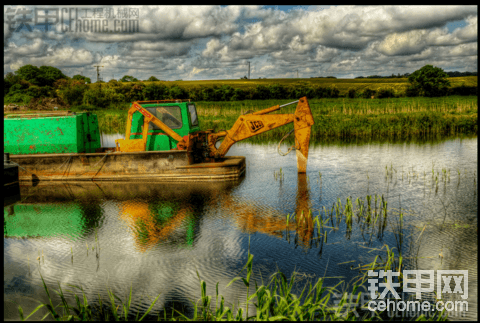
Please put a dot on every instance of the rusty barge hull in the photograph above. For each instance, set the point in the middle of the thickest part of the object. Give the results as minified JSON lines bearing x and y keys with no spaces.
{"x":126,"y":166}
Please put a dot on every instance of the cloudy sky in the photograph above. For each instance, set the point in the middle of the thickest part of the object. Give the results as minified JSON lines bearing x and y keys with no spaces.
{"x":216,"y":42}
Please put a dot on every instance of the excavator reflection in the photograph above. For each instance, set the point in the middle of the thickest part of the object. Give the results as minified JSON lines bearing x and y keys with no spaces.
{"x":153,"y":223}
{"x":162,"y":221}
{"x":251,"y":219}
{"x":168,"y":213}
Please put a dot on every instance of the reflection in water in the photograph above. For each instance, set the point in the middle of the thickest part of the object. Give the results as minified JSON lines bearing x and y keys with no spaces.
{"x":156,"y":236}
{"x":43,"y":220}
{"x":11,"y":194}
{"x":154,"y":211}
{"x":252,"y":218}
{"x":158,"y":222}
{"x":302,"y":211}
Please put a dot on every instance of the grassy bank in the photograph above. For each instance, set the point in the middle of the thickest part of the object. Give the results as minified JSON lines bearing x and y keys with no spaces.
{"x":341,"y":118}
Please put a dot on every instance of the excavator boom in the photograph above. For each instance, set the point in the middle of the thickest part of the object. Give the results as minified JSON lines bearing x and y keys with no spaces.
{"x":258,"y":122}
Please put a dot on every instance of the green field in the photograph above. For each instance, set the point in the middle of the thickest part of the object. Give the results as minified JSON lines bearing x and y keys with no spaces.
{"x":340,"y":83}
{"x":343,"y":85}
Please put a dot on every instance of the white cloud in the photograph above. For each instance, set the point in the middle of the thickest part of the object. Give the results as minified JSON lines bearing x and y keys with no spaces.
{"x":215,"y":42}
{"x":38,"y":47}
{"x":267,"y":68}
{"x":403,"y":43}
{"x":195,"y":71}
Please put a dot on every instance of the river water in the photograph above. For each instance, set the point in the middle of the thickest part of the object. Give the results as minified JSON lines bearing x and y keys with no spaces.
{"x":156,"y":237}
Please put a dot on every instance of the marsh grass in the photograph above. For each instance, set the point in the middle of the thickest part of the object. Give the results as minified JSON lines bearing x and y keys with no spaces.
{"x":341,"y":118}
{"x":276,"y":300}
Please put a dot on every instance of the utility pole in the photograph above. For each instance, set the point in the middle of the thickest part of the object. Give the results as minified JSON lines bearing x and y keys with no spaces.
{"x":297,"y":74}
{"x":98,"y":72}
{"x":248,"y":70}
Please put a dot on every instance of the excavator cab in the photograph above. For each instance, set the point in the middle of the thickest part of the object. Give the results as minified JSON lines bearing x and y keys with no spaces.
{"x":178,"y":115}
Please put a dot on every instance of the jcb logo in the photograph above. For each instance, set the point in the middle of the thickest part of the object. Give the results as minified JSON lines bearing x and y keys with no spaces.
{"x":255,"y":125}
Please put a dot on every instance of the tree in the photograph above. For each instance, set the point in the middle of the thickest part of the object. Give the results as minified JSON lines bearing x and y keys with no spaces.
{"x":429,"y":81}
{"x":30,"y":73}
{"x":12,"y":78}
{"x":152,"y":79}
{"x":43,"y":76}
{"x":128,"y":78}
{"x":50,"y":74}
{"x":82,"y":78}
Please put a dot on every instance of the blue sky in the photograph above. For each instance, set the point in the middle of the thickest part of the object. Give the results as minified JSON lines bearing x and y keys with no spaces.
{"x":216,"y":42}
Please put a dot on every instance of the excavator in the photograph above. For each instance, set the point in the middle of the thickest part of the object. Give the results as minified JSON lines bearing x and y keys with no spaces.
{"x":163,"y":142}
{"x":162,"y":125}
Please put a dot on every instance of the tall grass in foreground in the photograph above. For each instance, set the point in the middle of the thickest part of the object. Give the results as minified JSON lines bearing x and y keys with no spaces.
{"x":273,"y":301}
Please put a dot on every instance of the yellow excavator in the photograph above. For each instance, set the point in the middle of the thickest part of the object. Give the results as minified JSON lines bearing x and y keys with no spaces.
{"x":173,"y":125}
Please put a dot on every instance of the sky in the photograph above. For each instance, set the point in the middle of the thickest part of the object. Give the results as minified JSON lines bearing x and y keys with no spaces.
{"x":217,"y":42}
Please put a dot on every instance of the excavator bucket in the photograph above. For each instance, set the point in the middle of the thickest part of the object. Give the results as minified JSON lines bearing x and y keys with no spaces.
{"x":303,"y":121}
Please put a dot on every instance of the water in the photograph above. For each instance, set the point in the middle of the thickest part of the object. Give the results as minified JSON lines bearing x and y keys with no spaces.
{"x":156,"y":237}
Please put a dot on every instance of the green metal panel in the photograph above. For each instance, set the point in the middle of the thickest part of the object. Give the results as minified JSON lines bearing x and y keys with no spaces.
{"x":51,"y":135}
{"x":91,"y":132}
{"x":159,"y":141}
{"x":43,"y":220}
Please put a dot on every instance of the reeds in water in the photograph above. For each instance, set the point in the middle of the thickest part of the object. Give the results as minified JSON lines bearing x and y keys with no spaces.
{"x":275,"y":300}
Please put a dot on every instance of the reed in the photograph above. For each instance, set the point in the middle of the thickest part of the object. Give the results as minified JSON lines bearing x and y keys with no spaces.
{"x":275,"y":300}
{"x":383,"y":119}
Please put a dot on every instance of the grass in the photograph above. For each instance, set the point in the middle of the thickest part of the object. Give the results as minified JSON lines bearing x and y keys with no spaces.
{"x":341,"y":119}
{"x":275,"y":300}
{"x":361,"y":118}
{"x":343,"y":85}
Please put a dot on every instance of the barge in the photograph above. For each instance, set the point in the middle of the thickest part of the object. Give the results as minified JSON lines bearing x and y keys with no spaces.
{"x":128,"y":166}
{"x":163,"y":142}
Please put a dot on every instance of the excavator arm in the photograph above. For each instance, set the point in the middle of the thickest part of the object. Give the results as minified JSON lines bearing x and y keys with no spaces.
{"x":259,"y":122}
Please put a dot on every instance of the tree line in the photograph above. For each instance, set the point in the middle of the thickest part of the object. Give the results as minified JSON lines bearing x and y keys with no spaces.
{"x":406,"y":75}
{"x":30,"y":82}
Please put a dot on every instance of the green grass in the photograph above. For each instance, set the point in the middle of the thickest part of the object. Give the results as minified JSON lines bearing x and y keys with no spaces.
{"x":275,"y":300}
{"x":361,"y":118}
{"x":341,"y":119}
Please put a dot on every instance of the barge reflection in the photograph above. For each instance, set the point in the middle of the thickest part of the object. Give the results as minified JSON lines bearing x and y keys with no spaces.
{"x":155,"y":212}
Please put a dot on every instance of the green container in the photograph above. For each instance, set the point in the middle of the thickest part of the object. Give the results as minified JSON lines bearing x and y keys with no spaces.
{"x":77,"y":133}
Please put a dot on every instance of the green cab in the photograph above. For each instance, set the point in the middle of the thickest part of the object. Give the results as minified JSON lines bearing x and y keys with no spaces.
{"x":181,"y":117}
